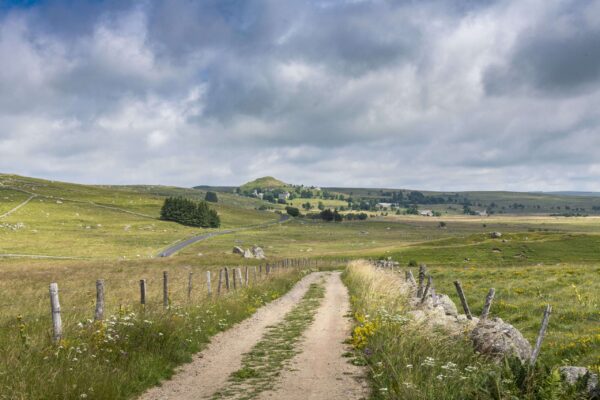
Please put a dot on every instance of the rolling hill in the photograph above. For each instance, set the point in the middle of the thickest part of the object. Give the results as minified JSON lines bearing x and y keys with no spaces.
{"x":56,"y":219}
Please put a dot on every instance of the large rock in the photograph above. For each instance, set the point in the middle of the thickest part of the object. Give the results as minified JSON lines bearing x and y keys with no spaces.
{"x":495,"y":235}
{"x":572,"y":375}
{"x":442,"y":300}
{"x":497,"y":339}
{"x":248,"y":254}
{"x":238,"y":250}
{"x":258,"y":252}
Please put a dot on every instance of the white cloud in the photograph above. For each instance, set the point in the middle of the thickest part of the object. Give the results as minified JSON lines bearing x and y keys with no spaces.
{"x":427,"y":95}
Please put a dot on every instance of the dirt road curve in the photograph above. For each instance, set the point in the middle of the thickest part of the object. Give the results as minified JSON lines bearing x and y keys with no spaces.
{"x":169,"y":251}
{"x":318,"y":372}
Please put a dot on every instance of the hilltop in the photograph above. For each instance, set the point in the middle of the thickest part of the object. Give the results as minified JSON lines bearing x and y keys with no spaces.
{"x":266,"y":182}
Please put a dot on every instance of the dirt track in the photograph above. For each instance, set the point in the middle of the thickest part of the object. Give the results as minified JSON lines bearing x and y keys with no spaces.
{"x":318,"y":372}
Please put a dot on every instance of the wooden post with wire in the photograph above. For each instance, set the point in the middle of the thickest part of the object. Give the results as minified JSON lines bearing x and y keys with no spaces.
{"x":190,"y":285}
{"x":56,"y":318}
{"x":488,"y":303}
{"x":165,"y":289}
{"x":540,"y":338}
{"x":463,"y":299}
{"x":99,"y":313}
{"x":208,"y":287}
{"x":143,"y":292}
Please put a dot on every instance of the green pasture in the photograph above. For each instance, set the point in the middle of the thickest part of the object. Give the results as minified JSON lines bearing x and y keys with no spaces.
{"x":68,"y":220}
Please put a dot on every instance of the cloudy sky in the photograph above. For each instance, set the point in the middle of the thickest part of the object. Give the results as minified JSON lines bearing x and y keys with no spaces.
{"x":452,"y":95}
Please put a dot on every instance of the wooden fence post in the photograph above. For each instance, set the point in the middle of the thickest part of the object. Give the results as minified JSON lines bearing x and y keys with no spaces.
{"x":421,"y":280}
{"x":56,"y":319}
{"x":142,"y":291}
{"x":239,"y":273}
{"x":254,"y":275}
{"x":226,"y":278}
{"x":410,"y":278}
{"x":247,"y":277}
{"x":488,"y":303}
{"x":190,"y":284}
{"x":99,"y":314}
{"x":426,"y":291}
{"x":208,"y":288}
{"x":220,"y":282}
{"x":463,"y":299}
{"x":165,"y":289}
{"x":540,"y":338}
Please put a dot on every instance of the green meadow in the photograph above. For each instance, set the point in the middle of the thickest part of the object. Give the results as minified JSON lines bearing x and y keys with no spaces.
{"x":113,"y":233}
{"x":82,"y":221}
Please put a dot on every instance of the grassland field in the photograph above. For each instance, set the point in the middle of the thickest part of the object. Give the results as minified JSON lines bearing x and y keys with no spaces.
{"x":538,"y":260}
{"x":82,"y":221}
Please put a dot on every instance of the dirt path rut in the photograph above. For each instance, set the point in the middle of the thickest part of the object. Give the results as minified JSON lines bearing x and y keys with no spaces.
{"x":320,"y":371}
{"x":211,"y":368}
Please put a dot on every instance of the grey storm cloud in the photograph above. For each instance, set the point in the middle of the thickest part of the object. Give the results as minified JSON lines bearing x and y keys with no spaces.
{"x":560,"y":56}
{"x":430,"y":94}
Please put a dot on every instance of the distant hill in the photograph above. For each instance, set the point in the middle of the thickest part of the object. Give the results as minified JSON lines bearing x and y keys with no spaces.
{"x":575,"y":193}
{"x":567,"y":203}
{"x":266,"y":182}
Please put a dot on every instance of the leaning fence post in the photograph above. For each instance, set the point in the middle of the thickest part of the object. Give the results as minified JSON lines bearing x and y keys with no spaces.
{"x":165,"y":289}
{"x":463,"y":299}
{"x":190,"y":284}
{"x":208,"y":288}
{"x":410,"y":278}
{"x":426,"y":291}
{"x":99,"y":314}
{"x":56,"y":319}
{"x":142,"y":291}
{"x":488,"y":303}
{"x":421,"y":280}
{"x":540,"y":338}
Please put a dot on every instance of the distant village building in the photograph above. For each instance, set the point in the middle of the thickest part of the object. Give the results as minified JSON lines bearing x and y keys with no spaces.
{"x":284,"y":196}
{"x":385,"y":205}
{"x":426,"y":213}
{"x":255,"y":193}
{"x":482,"y":213}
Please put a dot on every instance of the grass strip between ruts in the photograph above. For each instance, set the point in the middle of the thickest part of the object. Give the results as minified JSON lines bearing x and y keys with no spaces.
{"x":274,"y":351}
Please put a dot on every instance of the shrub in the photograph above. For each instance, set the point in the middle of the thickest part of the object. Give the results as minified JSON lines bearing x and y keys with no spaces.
{"x":211,"y":197}
{"x":293,"y":211}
